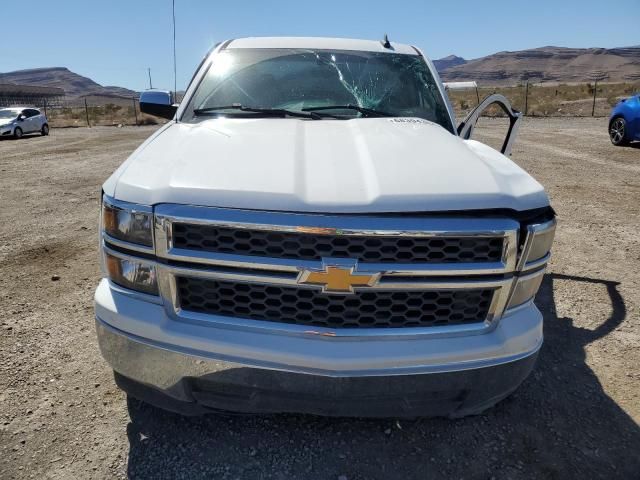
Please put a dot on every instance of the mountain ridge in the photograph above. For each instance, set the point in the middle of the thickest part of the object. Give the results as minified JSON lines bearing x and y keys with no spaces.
{"x":547,"y":64}
{"x":74,"y":84}
{"x":449,"y":61}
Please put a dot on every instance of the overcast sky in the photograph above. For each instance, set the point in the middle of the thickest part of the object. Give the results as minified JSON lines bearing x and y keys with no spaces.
{"x":113,"y":42}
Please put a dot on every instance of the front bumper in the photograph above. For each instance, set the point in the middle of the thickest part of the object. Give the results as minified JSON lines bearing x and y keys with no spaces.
{"x":193,"y":367}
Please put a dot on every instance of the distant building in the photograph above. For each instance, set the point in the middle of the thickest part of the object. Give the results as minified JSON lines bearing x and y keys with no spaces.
{"x":29,"y":95}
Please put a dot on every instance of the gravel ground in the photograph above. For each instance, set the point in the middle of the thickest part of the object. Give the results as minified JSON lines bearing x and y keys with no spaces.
{"x":61,"y":415}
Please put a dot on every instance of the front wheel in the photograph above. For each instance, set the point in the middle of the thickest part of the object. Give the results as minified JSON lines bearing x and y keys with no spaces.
{"x":618,"y":131}
{"x":45,"y":130}
{"x":17,"y":133}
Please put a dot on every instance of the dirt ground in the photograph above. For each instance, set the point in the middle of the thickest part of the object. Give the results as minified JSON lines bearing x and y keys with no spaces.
{"x":61,"y":415}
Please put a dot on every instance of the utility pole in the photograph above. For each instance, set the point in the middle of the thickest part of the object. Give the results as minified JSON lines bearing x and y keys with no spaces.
{"x":150,"y":84}
{"x":86,"y":111}
{"x":135,"y":112}
{"x":175,"y":70}
{"x":596,"y":76}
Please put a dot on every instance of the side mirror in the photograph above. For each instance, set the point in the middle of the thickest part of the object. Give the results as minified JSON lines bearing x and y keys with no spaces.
{"x":465,"y":129}
{"x":158,"y":103}
{"x":21,"y":117}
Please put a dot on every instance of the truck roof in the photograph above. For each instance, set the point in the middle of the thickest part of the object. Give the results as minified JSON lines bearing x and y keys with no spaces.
{"x":321,"y":43}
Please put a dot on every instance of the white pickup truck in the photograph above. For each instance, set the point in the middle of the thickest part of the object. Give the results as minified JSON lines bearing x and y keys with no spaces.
{"x":312,"y":233}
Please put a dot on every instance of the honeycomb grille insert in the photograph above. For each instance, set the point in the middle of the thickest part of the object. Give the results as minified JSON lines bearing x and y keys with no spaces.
{"x":366,"y":249}
{"x":363,"y":309}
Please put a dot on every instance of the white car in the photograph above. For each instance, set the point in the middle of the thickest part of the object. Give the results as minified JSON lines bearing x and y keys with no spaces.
{"x":18,"y":121}
{"x":312,"y":233}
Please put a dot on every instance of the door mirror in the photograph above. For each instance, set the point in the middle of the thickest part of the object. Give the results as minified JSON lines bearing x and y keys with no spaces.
{"x":158,"y":103}
{"x":21,"y":117}
{"x":465,"y":129}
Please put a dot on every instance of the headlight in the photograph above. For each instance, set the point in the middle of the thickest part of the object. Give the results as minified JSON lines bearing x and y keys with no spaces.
{"x":131,"y":273}
{"x":534,"y":255}
{"x":128,"y":227}
{"x":128,"y":222}
{"x":526,"y":288}
{"x":538,"y":242}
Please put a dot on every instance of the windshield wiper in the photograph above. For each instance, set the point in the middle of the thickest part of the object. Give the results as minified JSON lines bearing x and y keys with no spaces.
{"x":274,"y":112}
{"x":367,"y":112}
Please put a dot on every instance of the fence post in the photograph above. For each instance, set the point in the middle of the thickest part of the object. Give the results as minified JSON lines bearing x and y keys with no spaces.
{"x":135,"y":112}
{"x":595,"y":90}
{"x":477,"y":94}
{"x":45,"y":108}
{"x":86,"y":111}
{"x":526,"y":97}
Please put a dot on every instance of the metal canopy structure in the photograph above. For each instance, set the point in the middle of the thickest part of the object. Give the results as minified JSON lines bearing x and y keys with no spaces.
{"x":460,"y":85}
{"x":12,"y":94}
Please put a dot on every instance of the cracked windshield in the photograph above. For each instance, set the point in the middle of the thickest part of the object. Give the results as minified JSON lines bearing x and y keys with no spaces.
{"x":328,"y":83}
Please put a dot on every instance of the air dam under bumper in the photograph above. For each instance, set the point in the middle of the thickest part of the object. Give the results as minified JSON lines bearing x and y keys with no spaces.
{"x":195,"y":369}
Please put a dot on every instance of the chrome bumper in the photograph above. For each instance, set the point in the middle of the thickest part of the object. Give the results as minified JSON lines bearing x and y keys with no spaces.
{"x":225,"y":368}
{"x":191,"y":385}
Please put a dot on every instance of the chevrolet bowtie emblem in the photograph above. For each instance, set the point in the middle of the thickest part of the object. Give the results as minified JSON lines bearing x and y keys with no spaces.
{"x":338,"y":278}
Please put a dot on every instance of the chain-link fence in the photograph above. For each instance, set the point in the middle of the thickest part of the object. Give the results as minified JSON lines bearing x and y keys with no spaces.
{"x":549,"y":100}
{"x":86,"y":111}
{"x":93,"y":112}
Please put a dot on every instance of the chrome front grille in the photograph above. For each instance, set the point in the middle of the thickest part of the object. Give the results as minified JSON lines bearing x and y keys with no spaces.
{"x":311,"y":307}
{"x":318,"y":244}
{"x":247,"y":270}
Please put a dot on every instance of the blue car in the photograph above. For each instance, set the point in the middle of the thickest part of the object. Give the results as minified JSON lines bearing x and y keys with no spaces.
{"x":624,"y":123}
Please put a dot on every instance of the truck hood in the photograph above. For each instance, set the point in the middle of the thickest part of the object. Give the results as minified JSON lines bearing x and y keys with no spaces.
{"x":359,"y":165}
